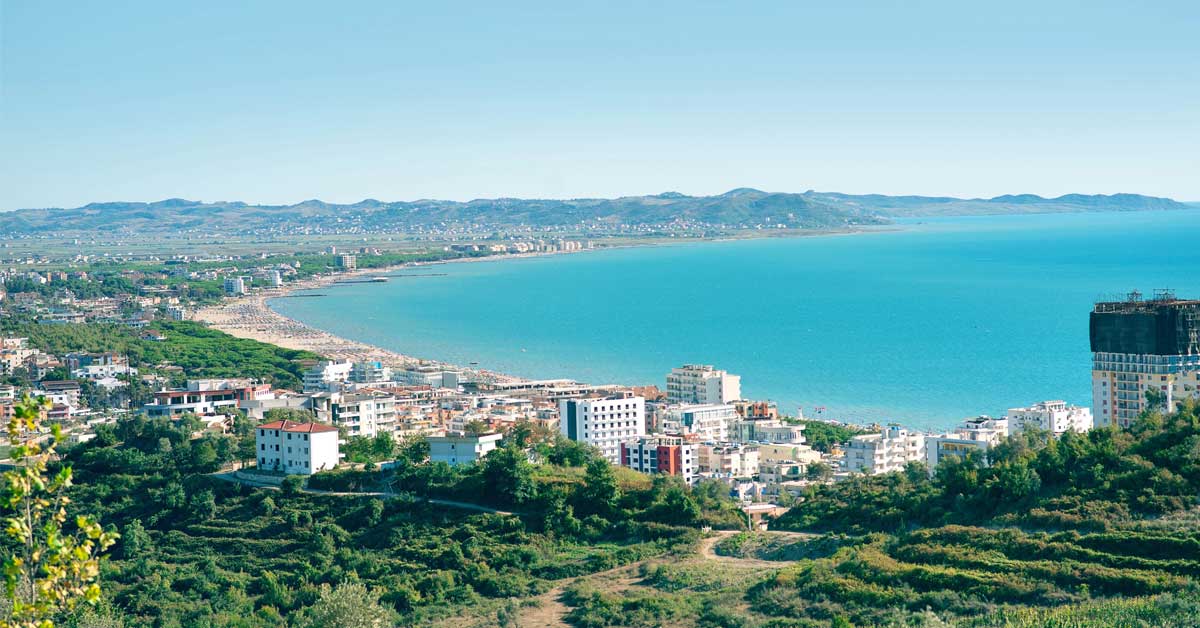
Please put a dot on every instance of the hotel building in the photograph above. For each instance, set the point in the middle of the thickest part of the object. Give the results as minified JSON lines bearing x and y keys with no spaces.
{"x":892,"y":450}
{"x":1140,"y":345}
{"x":297,"y":448}
{"x":603,"y":422}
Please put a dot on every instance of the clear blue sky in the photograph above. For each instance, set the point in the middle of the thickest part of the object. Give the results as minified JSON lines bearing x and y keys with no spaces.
{"x":283,"y":101}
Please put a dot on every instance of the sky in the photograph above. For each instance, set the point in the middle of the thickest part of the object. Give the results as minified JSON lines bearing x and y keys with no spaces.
{"x":278,"y":102}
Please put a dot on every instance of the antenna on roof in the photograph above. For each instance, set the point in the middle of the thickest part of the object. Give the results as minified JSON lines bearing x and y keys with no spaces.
{"x":1164,"y":294}
{"x":1135,"y":296}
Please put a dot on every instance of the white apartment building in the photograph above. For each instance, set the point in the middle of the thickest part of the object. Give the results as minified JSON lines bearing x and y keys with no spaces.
{"x":872,"y":454}
{"x":767,"y":431}
{"x":370,"y":373}
{"x":702,"y":384}
{"x":980,"y":433}
{"x":327,"y":376}
{"x":671,"y":455}
{"x":728,"y":460}
{"x":709,"y":422}
{"x":235,"y":286}
{"x":456,"y":449}
{"x":296,"y":448}
{"x":604,"y":422}
{"x":1055,"y":417}
{"x":206,"y":397}
{"x":360,"y":413}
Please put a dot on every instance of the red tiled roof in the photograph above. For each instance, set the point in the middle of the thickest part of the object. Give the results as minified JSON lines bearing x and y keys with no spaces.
{"x":292,"y":426}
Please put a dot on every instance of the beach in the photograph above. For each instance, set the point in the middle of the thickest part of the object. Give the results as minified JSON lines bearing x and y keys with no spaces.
{"x":250,"y":317}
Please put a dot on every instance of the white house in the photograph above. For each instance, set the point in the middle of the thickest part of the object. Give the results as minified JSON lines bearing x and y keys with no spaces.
{"x":456,"y":449}
{"x":296,"y":448}
{"x":605,"y":422}
{"x":327,"y":376}
{"x":1052,"y":416}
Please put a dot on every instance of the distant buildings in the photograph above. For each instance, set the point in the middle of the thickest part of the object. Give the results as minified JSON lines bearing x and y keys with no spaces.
{"x":891,"y":450}
{"x":709,"y":422}
{"x":327,"y":375}
{"x":978,"y":434}
{"x":702,"y":384}
{"x":604,"y":422}
{"x":670,"y":455}
{"x":206,"y":397}
{"x":366,"y":413}
{"x":235,"y":286}
{"x":728,"y":460}
{"x":1055,"y":417}
{"x":1140,"y":345}
{"x":456,"y":449}
{"x":296,"y":448}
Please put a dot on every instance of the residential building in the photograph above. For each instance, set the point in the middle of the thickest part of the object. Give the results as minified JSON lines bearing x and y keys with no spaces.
{"x":347,"y":262}
{"x":296,"y":448}
{"x":176,"y":312}
{"x":709,"y":422}
{"x":456,"y":449}
{"x":980,"y":433}
{"x":370,"y":373}
{"x":235,"y":286}
{"x":205,"y":397}
{"x":604,"y":422}
{"x":1055,"y":417}
{"x":767,"y":431}
{"x":1142,"y":345}
{"x":672,"y":455}
{"x":364,"y":413}
{"x":327,"y":376}
{"x":891,"y":450}
{"x":727,"y":460}
{"x":702,"y":384}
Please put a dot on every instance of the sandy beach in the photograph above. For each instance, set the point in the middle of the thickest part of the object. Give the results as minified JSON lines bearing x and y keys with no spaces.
{"x":250,"y":317}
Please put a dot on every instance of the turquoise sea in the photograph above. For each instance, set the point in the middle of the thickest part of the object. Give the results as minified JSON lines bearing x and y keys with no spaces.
{"x":939,"y":320}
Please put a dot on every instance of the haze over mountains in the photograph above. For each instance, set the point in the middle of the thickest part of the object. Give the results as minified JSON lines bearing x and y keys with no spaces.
{"x":739,"y":208}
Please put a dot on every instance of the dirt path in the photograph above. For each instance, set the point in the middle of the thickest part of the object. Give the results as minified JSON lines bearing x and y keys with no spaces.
{"x":708,"y":549}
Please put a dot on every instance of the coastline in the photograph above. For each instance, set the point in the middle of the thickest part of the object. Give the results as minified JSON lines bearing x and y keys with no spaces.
{"x":250,"y":316}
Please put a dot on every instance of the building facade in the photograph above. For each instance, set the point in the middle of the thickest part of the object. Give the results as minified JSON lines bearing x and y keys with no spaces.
{"x":1142,"y":345}
{"x":206,"y":397}
{"x":702,"y":384}
{"x":296,"y":448}
{"x":604,"y":422}
{"x":365,"y":414}
{"x":709,"y":422}
{"x":456,"y":449}
{"x":977,"y":434}
{"x":1055,"y":417}
{"x":671,"y":455}
{"x":891,"y":450}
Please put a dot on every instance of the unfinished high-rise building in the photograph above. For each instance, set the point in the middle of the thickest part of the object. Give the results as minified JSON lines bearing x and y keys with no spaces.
{"x":1139,"y":345}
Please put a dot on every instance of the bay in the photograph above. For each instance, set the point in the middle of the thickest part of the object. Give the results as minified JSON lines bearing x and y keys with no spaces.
{"x":924,"y":325}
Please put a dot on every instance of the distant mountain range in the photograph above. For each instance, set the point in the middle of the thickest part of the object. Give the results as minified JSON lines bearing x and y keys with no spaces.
{"x":740,"y":208}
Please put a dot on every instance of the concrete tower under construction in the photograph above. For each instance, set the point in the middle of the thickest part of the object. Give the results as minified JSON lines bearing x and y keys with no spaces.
{"x":1142,"y":344}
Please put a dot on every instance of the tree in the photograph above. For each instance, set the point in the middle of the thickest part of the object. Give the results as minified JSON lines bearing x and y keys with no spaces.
{"x":600,"y":492}
{"x":291,"y":485}
{"x":134,"y":540}
{"x":53,"y":567}
{"x":350,"y":605}
{"x":819,"y":472}
{"x":508,"y":475}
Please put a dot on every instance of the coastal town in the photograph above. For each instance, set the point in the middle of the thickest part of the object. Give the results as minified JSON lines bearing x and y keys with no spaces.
{"x":695,"y":423}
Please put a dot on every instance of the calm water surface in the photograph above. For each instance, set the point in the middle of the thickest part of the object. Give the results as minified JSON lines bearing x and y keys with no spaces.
{"x":941,"y":320}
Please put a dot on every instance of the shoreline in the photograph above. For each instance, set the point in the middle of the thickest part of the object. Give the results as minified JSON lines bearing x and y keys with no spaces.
{"x":250,"y":316}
